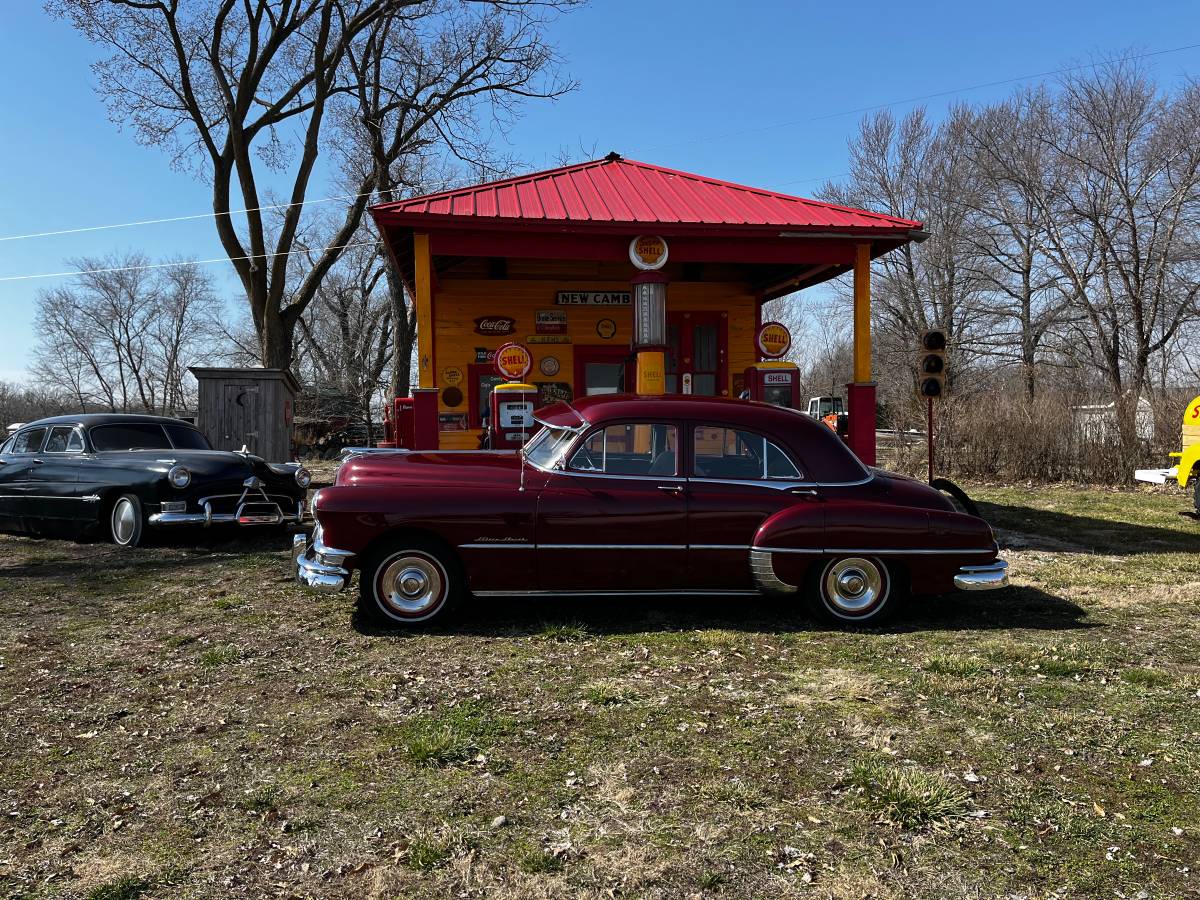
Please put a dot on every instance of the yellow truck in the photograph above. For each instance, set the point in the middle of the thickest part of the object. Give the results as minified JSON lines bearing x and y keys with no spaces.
{"x":1188,"y":456}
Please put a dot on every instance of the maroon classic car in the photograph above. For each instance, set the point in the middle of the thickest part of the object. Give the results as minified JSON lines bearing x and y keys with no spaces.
{"x":643,"y":495}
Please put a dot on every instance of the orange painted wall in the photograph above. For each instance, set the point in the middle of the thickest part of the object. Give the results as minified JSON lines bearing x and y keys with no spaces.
{"x":465,"y":292}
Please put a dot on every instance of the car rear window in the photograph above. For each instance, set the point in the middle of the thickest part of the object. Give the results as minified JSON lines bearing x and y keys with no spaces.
{"x":130,"y":436}
{"x":185,"y":438}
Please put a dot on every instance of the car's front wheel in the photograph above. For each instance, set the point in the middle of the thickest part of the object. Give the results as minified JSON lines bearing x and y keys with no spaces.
{"x":853,"y":590}
{"x":408,"y":583}
{"x":126,"y":524}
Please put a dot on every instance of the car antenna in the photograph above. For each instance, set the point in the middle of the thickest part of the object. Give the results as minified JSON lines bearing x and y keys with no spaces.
{"x":521,"y":483}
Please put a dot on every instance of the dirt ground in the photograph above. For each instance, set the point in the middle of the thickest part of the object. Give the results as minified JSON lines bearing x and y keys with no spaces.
{"x":183,"y":721}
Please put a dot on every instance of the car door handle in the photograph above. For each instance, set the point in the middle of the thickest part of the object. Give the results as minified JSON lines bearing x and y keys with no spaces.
{"x":671,"y":488}
{"x":804,"y":492}
{"x":39,"y":462}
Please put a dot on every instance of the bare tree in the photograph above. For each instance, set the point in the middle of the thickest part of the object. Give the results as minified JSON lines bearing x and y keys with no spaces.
{"x":1122,"y":212}
{"x":1022,"y":294}
{"x":217,"y":82}
{"x":121,"y":337}
{"x":347,"y":334}
{"x":908,"y":168}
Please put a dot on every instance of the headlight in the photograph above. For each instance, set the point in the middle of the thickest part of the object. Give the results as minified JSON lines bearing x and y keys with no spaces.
{"x":303,"y":478}
{"x":179,"y":477}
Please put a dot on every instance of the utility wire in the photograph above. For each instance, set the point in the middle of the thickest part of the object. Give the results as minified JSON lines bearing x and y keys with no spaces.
{"x":918,"y":99}
{"x":759,"y":129}
{"x":189,"y":262}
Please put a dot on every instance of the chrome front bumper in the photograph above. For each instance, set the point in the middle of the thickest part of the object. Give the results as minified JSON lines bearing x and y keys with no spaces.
{"x":982,"y":578}
{"x":317,"y":566}
{"x":248,"y":513}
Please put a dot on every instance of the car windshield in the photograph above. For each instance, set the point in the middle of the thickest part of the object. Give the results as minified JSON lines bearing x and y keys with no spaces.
{"x":130,"y":436}
{"x":185,"y":438}
{"x":548,"y":446}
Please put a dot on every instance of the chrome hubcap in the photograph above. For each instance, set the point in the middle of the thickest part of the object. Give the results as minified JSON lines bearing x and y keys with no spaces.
{"x":853,"y":585}
{"x":411,"y":585}
{"x":124,"y":521}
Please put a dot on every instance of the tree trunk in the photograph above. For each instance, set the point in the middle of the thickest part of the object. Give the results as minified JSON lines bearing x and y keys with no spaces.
{"x":403,"y":334}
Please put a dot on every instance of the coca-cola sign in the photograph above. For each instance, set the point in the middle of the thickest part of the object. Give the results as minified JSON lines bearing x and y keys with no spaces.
{"x":495,"y":325}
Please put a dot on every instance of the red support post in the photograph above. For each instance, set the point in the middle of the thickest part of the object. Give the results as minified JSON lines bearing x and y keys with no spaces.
{"x":861,"y":426}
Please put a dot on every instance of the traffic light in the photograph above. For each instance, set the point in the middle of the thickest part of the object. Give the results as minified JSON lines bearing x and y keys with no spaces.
{"x":931,"y":364}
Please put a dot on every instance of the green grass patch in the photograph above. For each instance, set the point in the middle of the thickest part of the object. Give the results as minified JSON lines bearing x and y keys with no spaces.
{"x":954,"y":665}
{"x":564,"y":631}
{"x":448,"y":737}
{"x":127,"y":887}
{"x":908,"y":797}
{"x":1144,"y":677}
{"x":216,"y":657}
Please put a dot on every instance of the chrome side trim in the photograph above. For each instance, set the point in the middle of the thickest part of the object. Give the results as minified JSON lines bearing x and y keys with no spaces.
{"x":869,"y":551}
{"x":763,"y":568}
{"x":718,"y":546}
{"x":671,"y":593}
{"x":806,"y":550}
{"x":497,"y":545}
{"x":575,"y":473}
{"x":612,"y":546}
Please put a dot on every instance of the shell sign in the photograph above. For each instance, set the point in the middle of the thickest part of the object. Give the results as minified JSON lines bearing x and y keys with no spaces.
{"x":648,"y":252}
{"x":774,"y":340}
{"x":513,"y":361}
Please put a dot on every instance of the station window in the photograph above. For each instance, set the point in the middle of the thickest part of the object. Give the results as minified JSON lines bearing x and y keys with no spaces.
{"x":629,"y":449}
{"x":730,"y":453}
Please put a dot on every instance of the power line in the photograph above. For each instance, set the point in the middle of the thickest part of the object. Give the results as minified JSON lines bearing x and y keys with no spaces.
{"x":188,"y":262}
{"x":759,"y":129}
{"x":918,"y":99}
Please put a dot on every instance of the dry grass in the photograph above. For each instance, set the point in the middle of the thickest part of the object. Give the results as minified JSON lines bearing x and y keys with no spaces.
{"x":184,"y":723}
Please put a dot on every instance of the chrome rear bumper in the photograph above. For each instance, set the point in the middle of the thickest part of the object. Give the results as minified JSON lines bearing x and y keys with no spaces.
{"x":988,"y":577}
{"x":317,"y":566}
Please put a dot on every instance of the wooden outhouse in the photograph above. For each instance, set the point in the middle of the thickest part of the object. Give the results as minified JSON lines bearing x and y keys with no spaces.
{"x":250,"y":407}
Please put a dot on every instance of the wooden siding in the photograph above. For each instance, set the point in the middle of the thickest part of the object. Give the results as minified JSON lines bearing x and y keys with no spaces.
{"x":465,"y":293}
{"x":243,"y":408}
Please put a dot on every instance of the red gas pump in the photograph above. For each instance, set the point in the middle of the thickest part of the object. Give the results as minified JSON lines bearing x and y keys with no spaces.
{"x":511,"y":422}
{"x":774,"y":382}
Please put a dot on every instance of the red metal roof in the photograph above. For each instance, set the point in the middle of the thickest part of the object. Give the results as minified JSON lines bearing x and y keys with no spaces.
{"x":621,"y":191}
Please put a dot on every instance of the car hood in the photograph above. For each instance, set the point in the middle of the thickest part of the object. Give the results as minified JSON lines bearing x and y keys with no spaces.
{"x":433,"y":467}
{"x":208,"y":464}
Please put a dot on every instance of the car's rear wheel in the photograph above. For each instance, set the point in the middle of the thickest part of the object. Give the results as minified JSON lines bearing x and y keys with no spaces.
{"x":126,"y":524}
{"x":853,"y":590}
{"x":408,"y":583}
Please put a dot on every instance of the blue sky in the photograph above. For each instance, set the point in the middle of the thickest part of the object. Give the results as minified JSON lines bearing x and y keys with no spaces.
{"x":681,"y":83}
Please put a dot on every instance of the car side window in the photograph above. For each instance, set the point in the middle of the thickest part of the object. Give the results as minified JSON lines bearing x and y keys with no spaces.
{"x":6,"y":447}
{"x":719,"y":452}
{"x":29,"y":441}
{"x":632,"y":448}
{"x":64,"y":439}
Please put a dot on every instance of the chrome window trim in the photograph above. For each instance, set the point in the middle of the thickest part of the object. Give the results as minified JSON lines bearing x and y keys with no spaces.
{"x":75,"y":429}
{"x":696,"y":426}
{"x":603,"y":428}
{"x":577,"y":474}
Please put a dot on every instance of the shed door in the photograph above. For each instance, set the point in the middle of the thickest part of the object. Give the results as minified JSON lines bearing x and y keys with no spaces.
{"x":240,"y":417}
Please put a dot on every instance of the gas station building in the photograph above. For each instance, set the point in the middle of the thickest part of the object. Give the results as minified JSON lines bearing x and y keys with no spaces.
{"x":615,"y":275}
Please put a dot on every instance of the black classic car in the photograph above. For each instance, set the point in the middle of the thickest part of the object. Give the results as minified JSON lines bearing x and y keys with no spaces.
{"x":122,"y":474}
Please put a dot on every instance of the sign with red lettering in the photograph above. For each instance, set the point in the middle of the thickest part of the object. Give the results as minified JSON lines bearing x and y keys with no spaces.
{"x":495,"y":325}
{"x":774,"y":340}
{"x":648,"y":252}
{"x":513,"y":361}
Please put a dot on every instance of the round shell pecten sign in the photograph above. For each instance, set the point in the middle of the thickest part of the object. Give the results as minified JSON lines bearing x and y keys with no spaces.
{"x":648,"y":252}
{"x":774,"y":340}
{"x":513,"y":361}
